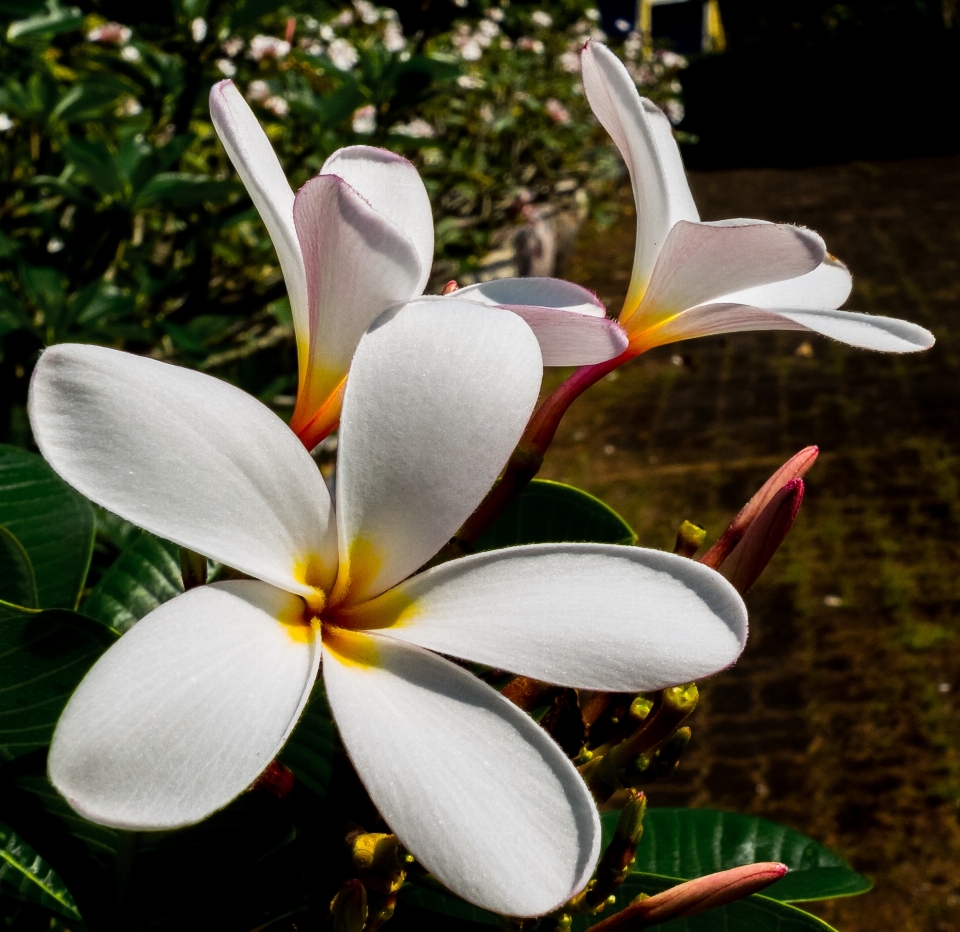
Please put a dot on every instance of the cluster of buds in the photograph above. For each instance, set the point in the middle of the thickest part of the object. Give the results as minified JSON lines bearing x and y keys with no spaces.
{"x":365,"y":902}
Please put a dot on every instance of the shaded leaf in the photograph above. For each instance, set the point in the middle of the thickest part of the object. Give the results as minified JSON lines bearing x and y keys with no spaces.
{"x":182,"y":188}
{"x":43,"y":656}
{"x":33,"y":879}
{"x":143,"y":577}
{"x":97,"y":163}
{"x":548,"y":512}
{"x":17,"y":583}
{"x":689,"y":843}
{"x":311,"y":749}
{"x":53,"y":523}
{"x":54,"y":20}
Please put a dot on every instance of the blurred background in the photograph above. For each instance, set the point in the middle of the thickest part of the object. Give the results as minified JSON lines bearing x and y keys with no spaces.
{"x":122,"y":223}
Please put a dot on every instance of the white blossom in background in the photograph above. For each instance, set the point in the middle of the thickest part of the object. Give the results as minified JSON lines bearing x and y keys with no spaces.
{"x":364,"y":119}
{"x":188,"y":708}
{"x":461,"y":3}
{"x":556,"y":111}
{"x":277,"y":105}
{"x":670,"y":59}
{"x":471,"y":50}
{"x":129,"y":106}
{"x":541,"y":18}
{"x":268,"y":47}
{"x":232,"y":46}
{"x":344,"y":18}
{"x":593,"y":14}
{"x":693,"y":279}
{"x":570,"y":61}
{"x":363,"y":229}
{"x":312,"y":47}
{"x":415,"y":129}
{"x":471,"y":82}
{"x":130,"y":53}
{"x":486,"y":32}
{"x":343,"y":55}
{"x":674,"y":111}
{"x":393,"y":40}
{"x":327,"y":33}
{"x":226,"y":67}
{"x":495,"y":13}
{"x":506,"y":43}
{"x":55,"y":245}
{"x":367,"y":12}
{"x":6,"y":123}
{"x":198,"y":29}
{"x":258,"y":91}
{"x":486,"y":113}
{"x":530,"y":45}
{"x":110,"y":34}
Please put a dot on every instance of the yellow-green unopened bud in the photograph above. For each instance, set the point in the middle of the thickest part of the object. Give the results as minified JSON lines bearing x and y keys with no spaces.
{"x":682,"y":698}
{"x":690,"y":538}
{"x":375,"y":851}
{"x":630,"y":824}
{"x":349,"y":907}
{"x":640,"y":707}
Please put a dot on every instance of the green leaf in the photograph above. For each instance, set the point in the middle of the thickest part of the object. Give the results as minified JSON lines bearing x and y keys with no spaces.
{"x":97,"y":162}
{"x":17,"y":582}
{"x":144,"y":576}
{"x":53,"y":523}
{"x":180,"y":188}
{"x":311,"y":749}
{"x":43,"y":656}
{"x":55,"y":20}
{"x":33,"y":879}
{"x":435,"y":898}
{"x":547,"y":512}
{"x":689,"y":843}
{"x":753,"y":914}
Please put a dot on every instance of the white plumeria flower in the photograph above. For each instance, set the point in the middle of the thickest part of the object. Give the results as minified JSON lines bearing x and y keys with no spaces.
{"x":693,"y":279}
{"x":358,"y":239}
{"x":187,"y":709}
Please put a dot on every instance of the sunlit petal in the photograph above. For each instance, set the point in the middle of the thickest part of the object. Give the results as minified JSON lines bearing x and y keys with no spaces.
{"x":826,"y":287}
{"x":592,"y":616}
{"x":186,"y":710}
{"x":358,"y":264}
{"x":438,"y":396}
{"x":473,"y":788}
{"x":188,"y":457}
{"x":259,"y":169}
{"x":393,"y":186}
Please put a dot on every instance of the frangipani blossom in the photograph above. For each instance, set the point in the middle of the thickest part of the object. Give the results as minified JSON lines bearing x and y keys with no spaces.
{"x":693,"y":279}
{"x":191,"y":704}
{"x":358,"y":239}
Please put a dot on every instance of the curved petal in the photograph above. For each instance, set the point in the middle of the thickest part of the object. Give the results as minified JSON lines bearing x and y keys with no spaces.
{"x":885,"y":334}
{"x":259,"y":170}
{"x":653,"y":173}
{"x":534,"y":292}
{"x":700,"y":261}
{"x":437,"y":399}
{"x":358,"y":264}
{"x":186,"y":710}
{"x":478,"y":793}
{"x":679,"y":194}
{"x":591,"y":616}
{"x":392,"y":186}
{"x":188,"y":457}
{"x":826,"y":287}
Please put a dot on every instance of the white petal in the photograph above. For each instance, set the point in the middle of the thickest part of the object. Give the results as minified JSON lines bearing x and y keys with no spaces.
{"x":478,"y":793}
{"x":188,"y":457}
{"x":679,"y":194}
{"x":393,"y":186}
{"x":658,"y":185}
{"x":186,"y":710}
{"x":886,"y":334}
{"x":358,"y":264}
{"x":438,"y":397}
{"x":827,"y":286}
{"x":569,"y":322}
{"x":591,"y":616}
{"x":703,"y":260}
{"x":260,"y":171}
{"x":534,"y":292}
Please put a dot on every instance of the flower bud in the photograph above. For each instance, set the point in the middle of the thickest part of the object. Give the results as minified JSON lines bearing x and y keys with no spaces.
{"x":765,"y":534}
{"x":349,"y":907}
{"x":690,"y":539}
{"x":450,"y":287}
{"x":277,"y":780}
{"x":794,"y":468}
{"x":694,"y":896}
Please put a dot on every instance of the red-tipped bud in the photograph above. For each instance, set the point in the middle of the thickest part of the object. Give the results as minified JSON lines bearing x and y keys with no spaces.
{"x":694,"y":896}
{"x":761,"y":540}
{"x":794,"y":468}
{"x":450,"y":287}
{"x":277,"y":780}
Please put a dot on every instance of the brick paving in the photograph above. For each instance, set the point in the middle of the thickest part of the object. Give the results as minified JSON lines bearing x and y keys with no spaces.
{"x":843,"y":716}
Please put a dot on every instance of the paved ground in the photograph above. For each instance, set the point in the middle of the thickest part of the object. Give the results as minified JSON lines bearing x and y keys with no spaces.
{"x":843,"y":717}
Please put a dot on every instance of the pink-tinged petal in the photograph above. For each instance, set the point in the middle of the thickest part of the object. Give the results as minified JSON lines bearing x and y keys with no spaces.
{"x":826,"y":287}
{"x":794,"y":468}
{"x":393,"y":187}
{"x":679,"y":195}
{"x":185,"y":711}
{"x":703,"y":260}
{"x":358,"y":264}
{"x":260,"y":171}
{"x":590,"y":616}
{"x":476,"y":791}
{"x":534,"y":292}
{"x":884,"y":334}
{"x":438,"y":396}
{"x":188,"y":457}
{"x":763,"y":537}
{"x":614,"y":99}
